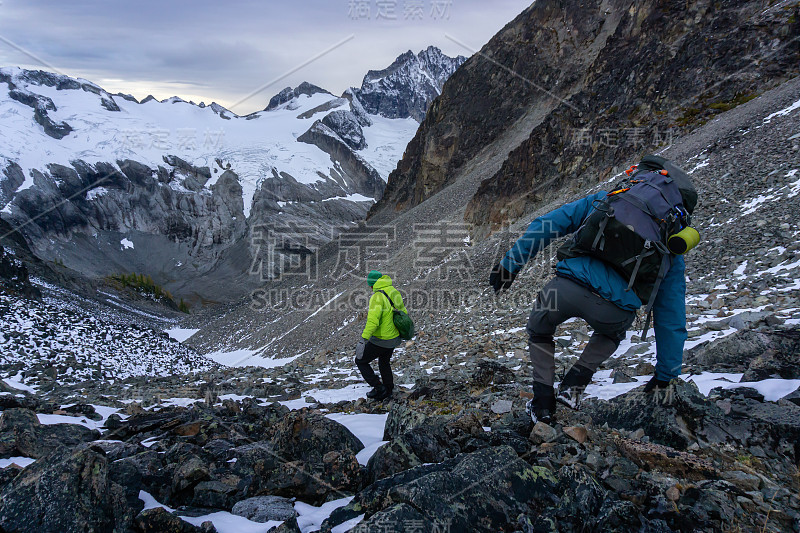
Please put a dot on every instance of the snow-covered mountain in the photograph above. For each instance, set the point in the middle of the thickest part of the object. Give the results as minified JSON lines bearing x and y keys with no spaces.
{"x":409,"y":85}
{"x":105,"y":184}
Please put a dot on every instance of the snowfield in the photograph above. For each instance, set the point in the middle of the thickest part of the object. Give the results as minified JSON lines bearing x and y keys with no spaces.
{"x":256,"y":146}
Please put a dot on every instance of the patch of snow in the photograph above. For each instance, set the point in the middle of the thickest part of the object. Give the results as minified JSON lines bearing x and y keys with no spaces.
{"x":151,"y":503}
{"x":344,"y":527}
{"x":180,"y":334}
{"x":606,"y":389}
{"x":226,"y":522}
{"x":105,"y":412}
{"x":367,"y":427}
{"x":16,"y":383}
{"x":783,"y":112}
{"x":345,"y":394}
{"x":223,"y":521}
{"x":126,"y":244}
{"x":245,"y":357}
{"x":351,"y":198}
{"x":772,"y":389}
{"x":96,"y":193}
{"x":310,"y":518}
{"x":21,"y":462}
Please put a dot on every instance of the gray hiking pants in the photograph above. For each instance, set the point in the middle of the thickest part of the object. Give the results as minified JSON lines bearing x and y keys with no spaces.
{"x":561,"y":299}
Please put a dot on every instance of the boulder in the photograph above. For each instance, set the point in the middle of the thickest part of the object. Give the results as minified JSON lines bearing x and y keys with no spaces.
{"x":265,"y":508}
{"x":651,"y":456}
{"x":760,"y":354}
{"x":21,"y":434}
{"x":66,"y":492}
{"x":159,"y":520}
{"x":676,"y":416}
{"x":482,"y":491}
{"x":400,"y":420}
{"x":309,"y":437}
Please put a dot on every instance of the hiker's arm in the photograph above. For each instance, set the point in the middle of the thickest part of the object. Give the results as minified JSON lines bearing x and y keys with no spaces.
{"x":563,"y":221}
{"x":669,"y":321}
{"x":373,"y":316}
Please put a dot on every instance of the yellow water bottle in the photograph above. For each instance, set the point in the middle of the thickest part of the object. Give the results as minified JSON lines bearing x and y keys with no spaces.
{"x":683,"y":241}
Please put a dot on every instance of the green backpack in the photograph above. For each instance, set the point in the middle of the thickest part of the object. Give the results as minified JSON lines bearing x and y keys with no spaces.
{"x":403,"y":322}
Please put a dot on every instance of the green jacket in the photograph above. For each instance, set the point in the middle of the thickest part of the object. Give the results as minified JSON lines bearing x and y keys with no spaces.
{"x":380,"y":322}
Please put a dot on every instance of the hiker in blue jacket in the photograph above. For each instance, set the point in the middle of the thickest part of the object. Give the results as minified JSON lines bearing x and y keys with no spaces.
{"x":593,"y":290}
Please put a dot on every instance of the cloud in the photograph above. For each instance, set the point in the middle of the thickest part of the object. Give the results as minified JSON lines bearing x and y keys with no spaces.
{"x":222,"y":51}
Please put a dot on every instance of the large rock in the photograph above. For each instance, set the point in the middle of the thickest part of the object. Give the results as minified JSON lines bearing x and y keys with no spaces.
{"x":265,"y":508}
{"x":21,"y":434}
{"x":482,"y":491}
{"x":400,"y":420}
{"x":309,"y":437}
{"x":759,"y":354}
{"x":309,"y":457}
{"x":430,"y":440}
{"x":159,"y":520}
{"x":676,"y":416}
{"x":66,"y":492}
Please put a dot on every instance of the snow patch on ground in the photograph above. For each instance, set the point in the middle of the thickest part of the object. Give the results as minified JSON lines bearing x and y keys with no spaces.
{"x":346,"y":394}
{"x":310,"y":518}
{"x":225,"y":522}
{"x":367,"y":427}
{"x":21,"y":462}
{"x":180,"y":334}
{"x":242,"y":358}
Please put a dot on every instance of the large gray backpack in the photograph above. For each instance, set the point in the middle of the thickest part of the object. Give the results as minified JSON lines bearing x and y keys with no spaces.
{"x":628,"y":229}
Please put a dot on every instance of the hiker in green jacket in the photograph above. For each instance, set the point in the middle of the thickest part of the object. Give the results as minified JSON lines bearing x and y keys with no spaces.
{"x":380,"y":336}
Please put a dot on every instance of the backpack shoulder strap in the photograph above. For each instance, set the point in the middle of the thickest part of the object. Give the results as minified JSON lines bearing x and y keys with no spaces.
{"x":390,"y":300}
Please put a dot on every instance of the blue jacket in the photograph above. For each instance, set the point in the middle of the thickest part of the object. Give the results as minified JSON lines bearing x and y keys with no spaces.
{"x":669,"y":307}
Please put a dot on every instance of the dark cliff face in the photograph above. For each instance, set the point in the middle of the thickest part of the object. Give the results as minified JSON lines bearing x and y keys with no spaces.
{"x":630,"y":75}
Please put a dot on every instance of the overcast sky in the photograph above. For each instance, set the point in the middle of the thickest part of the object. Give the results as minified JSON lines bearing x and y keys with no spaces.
{"x":225,"y":50}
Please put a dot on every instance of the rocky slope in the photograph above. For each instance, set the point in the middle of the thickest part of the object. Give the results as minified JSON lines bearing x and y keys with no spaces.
{"x":182,"y":192}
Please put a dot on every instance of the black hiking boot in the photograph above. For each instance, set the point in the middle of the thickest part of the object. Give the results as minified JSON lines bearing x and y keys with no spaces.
{"x":375,"y":391}
{"x":656,"y":384}
{"x":542,"y":408}
{"x":382,"y":394}
{"x":570,"y":391}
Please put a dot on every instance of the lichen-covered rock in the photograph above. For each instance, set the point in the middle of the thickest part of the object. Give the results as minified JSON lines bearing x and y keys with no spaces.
{"x":159,"y":520}
{"x":482,"y":491}
{"x":265,"y":508}
{"x":21,"y":434}
{"x":66,"y":492}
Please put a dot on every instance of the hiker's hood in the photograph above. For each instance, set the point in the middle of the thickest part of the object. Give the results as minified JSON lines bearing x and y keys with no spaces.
{"x":383,"y":282}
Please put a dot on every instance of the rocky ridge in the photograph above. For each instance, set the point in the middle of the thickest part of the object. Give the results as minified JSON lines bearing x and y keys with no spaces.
{"x":93,"y":179}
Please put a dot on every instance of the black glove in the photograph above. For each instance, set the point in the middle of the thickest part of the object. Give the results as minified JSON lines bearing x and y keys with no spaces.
{"x":500,"y":278}
{"x":655,"y":383}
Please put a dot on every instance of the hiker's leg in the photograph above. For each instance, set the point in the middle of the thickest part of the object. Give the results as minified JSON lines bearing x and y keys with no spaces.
{"x":610,"y":324}
{"x":364,"y":366}
{"x":384,"y":365}
{"x":551,"y":309}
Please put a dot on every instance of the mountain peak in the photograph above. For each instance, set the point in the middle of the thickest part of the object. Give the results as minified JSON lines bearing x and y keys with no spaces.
{"x":407,"y":86}
{"x":289,"y":94}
